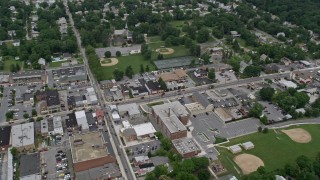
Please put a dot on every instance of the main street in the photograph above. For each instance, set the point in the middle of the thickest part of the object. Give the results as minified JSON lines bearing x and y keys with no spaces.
{"x":124,"y":164}
{"x":173,"y":94}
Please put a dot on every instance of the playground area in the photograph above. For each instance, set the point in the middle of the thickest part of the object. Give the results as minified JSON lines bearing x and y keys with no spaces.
{"x":108,"y":61}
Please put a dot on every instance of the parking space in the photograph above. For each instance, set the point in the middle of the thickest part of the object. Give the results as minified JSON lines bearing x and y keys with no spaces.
{"x":273,"y":112}
{"x":12,"y":100}
{"x":142,"y":149}
{"x":225,"y":76}
{"x":57,"y":163}
{"x":228,"y":102}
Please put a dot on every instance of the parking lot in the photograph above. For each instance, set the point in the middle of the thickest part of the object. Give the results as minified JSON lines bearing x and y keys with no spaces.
{"x":228,"y":102}
{"x":9,"y":101}
{"x":58,"y":163}
{"x":142,"y":149}
{"x":225,"y":76}
{"x":272,"y":112}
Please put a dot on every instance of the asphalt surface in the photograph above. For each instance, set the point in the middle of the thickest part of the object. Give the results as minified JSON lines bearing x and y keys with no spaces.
{"x":124,"y":164}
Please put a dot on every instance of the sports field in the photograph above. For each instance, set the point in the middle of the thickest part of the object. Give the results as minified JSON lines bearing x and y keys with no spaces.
{"x":275,"y":148}
{"x":124,"y":61}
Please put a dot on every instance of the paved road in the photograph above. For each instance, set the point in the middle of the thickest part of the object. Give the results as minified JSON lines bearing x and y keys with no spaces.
{"x":219,"y":85}
{"x":124,"y":164}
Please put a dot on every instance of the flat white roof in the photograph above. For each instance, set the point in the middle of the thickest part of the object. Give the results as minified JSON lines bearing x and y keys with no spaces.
{"x":57,"y":125}
{"x":82,"y":119}
{"x":144,"y":129}
{"x":132,"y":109}
{"x":288,"y":84}
{"x":126,"y":124}
{"x":235,"y":148}
{"x":115,"y":115}
{"x":248,"y":144}
{"x":22,"y":134}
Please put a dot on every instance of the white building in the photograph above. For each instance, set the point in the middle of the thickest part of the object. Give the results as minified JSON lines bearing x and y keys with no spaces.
{"x":130,"y":110}
{"x":22,"y":136}
{"x":82,"y":120}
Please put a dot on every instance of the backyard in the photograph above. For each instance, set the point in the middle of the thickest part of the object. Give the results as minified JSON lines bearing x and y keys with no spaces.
{"x":275,"y":148}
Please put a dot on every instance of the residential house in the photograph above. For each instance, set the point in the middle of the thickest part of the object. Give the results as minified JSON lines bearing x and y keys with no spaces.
{"x":16,"y":43}
{"x":201,"y":72}
{"x":234,"y":34}
{"x":301,"y":77}
{"x":107,"y":84}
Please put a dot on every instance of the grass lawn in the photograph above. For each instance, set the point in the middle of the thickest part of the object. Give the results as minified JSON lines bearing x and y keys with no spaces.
{"x":124,"y":61}
{"x":155,"y":39}
{"x":7,"y":64}
{"x":155,"y":103}
{"x":177,"y":24}
{"x":274,"y":149}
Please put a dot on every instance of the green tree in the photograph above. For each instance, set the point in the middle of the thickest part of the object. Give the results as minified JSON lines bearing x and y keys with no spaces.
{"x":163,"y":85}
{"x":34,"y":112}
{"x":203,"y":35}
{"x":264,"y":120}
{"x":118,"y":53}
{"x":256,"y":110}
{"x":147,"y":55}
{"x":18,"y":67}
{"x":117,"y":74}
{"x":147,"y":68}
{"x":150,"y":176}
{"x":166,"y":144}
{"x":204,"y":174}
{"x":212,"y":74}
{"x":14,"y":152}
{"x":9,"y":115}
{"x":107,"y":54}
{"x":13,"y":68}
{"x":266,"y":93}
{"x":252,"y":71}
{"x":160,"y":170}
{"x":302,"y":99}
{"x":160,"y":56}
{"x":141,"y":69}
{"x":25,"y":115}
{"x":129,"y":72}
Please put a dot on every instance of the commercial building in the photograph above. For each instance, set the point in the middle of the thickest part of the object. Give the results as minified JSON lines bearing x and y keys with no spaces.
{"x":30,"y":167}
{"x":130,"y":110}
{"x":5,"y":143}
{"x":22,"y":136}
{"x":137,"y":132}
{"x":82,"y":120}
{"x":200,"y":104}
{"x":91,"y":97}
{"x":69,"y":75}
{"x":171,"y":118}
{"x":28,"y":77}
{"x":186,"y":147}
{"x":223,"y":114}
{"x":89,"y":151}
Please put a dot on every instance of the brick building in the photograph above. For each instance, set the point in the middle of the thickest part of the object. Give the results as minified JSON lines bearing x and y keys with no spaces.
{"x":171,"y":118}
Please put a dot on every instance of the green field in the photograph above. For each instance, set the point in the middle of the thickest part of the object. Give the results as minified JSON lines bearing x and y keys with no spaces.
{"x":178,"y":50}
{"x":275,"y":149}
{"x":124,"y":62}
{"x":178,"y":24}
{"x":7,"y":64}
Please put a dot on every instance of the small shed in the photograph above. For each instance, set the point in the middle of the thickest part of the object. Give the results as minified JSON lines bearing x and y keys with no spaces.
{"x":248,"y":145}
{"x":235,"y":149}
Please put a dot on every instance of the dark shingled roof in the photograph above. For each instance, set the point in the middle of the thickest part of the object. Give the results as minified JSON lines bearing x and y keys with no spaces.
{"x":52,"y":98}
{"x":146,"y":165}
{"x":29,"y":164}
{"x":5,"y":135}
